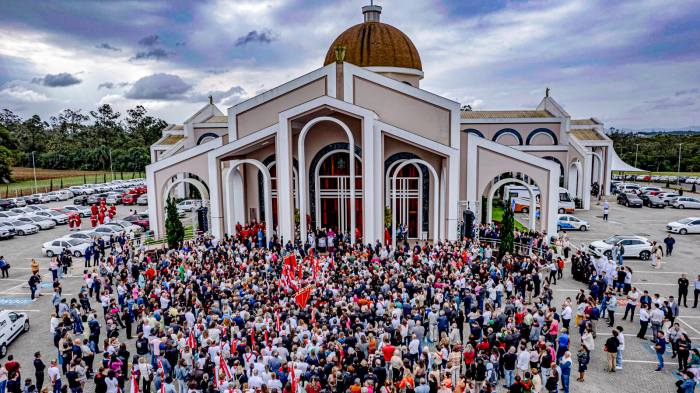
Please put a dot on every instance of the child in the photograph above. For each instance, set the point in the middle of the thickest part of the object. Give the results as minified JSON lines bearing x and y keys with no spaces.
{"x":582,"y":357}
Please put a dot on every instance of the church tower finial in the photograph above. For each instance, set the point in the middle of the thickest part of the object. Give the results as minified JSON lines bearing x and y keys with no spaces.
{"x":372,"y":12}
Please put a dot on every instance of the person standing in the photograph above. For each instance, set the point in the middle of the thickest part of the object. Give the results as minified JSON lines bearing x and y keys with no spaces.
{"x":683,"y":285}
{"x":660,"y":348}
{"x":611,"y":307}
{"x":696,"y":289}
{"x":55,"y":376}
{"x":611,"y":345}
{"x":632,"y":297}
{"x":670,"y":241}
{"x":4,"y":267}
{"x":33,"y":282}
{"x":39,"y":369}
{"x":620,"y":348}
{"x":606,"y":210}
{"x":643,"y":320}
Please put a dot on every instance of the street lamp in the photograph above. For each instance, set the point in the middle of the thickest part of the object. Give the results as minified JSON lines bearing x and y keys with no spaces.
{"x":34,"y":166}
{"x":678,"y":174}
{"x":111,"y":167}
{"x":635,"y":155}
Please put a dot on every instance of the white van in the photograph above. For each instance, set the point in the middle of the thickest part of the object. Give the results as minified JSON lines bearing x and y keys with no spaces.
{"x":522,"y":199}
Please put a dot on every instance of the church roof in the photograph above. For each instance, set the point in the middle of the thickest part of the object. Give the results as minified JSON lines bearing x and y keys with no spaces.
{"x":504,"y":114}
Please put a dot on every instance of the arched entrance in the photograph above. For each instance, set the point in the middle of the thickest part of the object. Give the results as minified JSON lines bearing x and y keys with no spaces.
{"x":303,"y":180}
{"x":408,"y":192}
{"x":575,"y":182}
{"x":271,"y":165}
{"x":334,"y":202}
{"x":231,"y":181}
{"x":436,"y":190}
{"x":531,"y":193}
{"x":167,"y":188}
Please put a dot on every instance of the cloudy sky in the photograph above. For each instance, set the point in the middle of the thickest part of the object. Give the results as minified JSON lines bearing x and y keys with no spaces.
{"x":632,"y":64}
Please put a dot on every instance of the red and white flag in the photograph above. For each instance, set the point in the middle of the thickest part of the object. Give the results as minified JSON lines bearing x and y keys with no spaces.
{"x":224,"y":367}
{"x":134,"y":381}
{"x":191,"y":341}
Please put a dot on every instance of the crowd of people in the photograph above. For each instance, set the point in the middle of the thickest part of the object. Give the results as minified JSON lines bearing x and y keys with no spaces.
{"x":237,"y":315}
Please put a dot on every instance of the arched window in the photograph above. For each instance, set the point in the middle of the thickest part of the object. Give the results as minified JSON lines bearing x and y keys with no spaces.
{"x":209,"y":136}
{"x":473,"y":131}
{"x":333,"y":183}
{"x":508,"y":131}
{"x":539,"y":131}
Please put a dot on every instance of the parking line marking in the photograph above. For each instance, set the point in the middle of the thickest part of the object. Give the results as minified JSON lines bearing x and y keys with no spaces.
{"x":689,"y":325}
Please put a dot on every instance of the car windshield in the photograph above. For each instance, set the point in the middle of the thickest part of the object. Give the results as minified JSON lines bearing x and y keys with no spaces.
{"x":18,"y":223}
{"x":654,"y":199}
{"x":685,"y":221}
{"x":632,"y":196}
{"x":611,"y":240}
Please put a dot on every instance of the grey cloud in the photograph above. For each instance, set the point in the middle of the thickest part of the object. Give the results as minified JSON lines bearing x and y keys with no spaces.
{"x":58,"y":80}
{"x":687,"y":91}
{"x":168,"y":87}
{"x":150,"y":40}
{"x":107,"y":46}
{"x":264,"y":37}
{"x":669,"y":103}
{"x":217,"y":72}
{"x":158,"y":87}
{"x":110,"y":85}
{"x":153,"y":53}
{"x":180,"y":43}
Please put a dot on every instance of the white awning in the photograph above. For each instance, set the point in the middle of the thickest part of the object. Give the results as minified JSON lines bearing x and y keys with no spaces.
{"x":620,"y":166}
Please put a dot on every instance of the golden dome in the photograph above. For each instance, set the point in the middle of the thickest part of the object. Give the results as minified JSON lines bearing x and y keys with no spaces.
{"x":376,"y":44}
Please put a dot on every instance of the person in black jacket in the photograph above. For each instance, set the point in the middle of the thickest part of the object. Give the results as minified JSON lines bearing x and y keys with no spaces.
{"x":39,"y":370}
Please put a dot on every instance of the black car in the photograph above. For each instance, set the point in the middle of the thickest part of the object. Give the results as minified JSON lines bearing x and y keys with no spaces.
{"x":6,"y":204}
{"x":80,"y":200}
{"x":32,"y":200}
{"x":652,"y":201}
{"x":629,"y":200}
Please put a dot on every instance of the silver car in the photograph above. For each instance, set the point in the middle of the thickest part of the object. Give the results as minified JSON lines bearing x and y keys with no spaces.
{"x":18,"y":202}
{"x":57,"y":217}
{"x":81,"y":210}
{"x":142,"y":200}
{"x":21,"y":228}
{"x":41,"y":222}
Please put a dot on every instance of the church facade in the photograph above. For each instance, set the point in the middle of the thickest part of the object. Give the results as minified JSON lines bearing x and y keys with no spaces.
{"x":357,"y":140}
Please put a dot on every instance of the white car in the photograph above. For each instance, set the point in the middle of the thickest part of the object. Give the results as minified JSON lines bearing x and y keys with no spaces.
{"x":75,"y":246}
{"x":11,"y":216}
{"x":106,"y":230}
{"x":666,"y":197}
{"x":81,"y":210}
{"x":6,"y":232}
{"x":43,"y":198}
{"x":189,"y":205}
{"x":36,"y":208}
{"x":68,"y":192}
{"x":41,"y":222}
{"x":87,"y":236}
{"x":77,"y":190}
{"x":21,"y":228}
{"x":649,"y":189}
{"x":693,"y":180}
{"x":635,"y":246}
{"x":57,"y":217}
{"x":685,"y":203}
{"x":686,"y":225}
{"x":58,"y":196}
{"x":567,"y":221}
{"x":18,"y":202}
{"x":142,"y":200}
{"x":12,"y":324}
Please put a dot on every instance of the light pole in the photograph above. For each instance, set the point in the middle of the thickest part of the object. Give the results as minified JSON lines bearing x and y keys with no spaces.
{"x":635,"y":155}
{"x":678,"y":174}
{"x":111,"y":167}
{"x":34,"y":166}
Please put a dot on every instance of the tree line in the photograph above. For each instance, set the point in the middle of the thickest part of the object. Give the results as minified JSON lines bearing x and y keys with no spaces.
{"x":74,"y":140}
{"x":659,"y":152}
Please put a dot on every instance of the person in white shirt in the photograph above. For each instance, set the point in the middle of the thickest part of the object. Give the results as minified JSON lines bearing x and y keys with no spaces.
{"x":523,"y":364}
{"x":632,"y":297}
{"x":643,"y":320}
{"x":620,"y":348}
{"x":255,"y":382}
{"x":566,"y":315}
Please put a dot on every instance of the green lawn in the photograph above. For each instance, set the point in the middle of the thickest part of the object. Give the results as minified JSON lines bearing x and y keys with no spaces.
{"x":497,"y":215}
{"x":26,"y":187}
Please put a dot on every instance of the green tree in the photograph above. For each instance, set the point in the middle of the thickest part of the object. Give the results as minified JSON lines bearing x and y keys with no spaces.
{"x":174,"y":230}
{"x":31,"y":134}
{"x":6,"y":163}
{"x":146,"y":130}
{"x":507,"y":227}
{"x":107,"y":125}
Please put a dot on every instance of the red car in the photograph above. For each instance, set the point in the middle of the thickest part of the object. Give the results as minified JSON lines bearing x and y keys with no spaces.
{"x":67,"y":212}
{"x":129,"y":199}
{"x":136,"y":220}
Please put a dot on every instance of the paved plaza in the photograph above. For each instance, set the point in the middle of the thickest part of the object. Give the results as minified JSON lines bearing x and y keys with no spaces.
{"x":639,"y":360}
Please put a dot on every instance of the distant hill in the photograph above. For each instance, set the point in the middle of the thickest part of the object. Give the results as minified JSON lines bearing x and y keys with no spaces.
{"x":657,"y":130}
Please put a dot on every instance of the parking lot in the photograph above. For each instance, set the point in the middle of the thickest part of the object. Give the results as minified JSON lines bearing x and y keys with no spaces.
{"x":639,"y":359}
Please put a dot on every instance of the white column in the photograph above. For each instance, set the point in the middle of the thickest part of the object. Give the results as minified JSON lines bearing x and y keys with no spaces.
{"x":181,"y":188}
{"x":285,"y":204}
{"x":214,"y":200}
{"x":586,"y":182}
{"x":371,"y":176}
{"x":453,"y":197}
{"x":442,"y":201}
{"x":153,"y":213}
{"x":608,"y":172}
{"x":234,"y":197}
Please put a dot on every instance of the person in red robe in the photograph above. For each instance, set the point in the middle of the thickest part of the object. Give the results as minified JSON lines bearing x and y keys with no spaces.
{"x":71,"y":222}
{"x":93,"y":221}
{"x":94,"y":210}
{"x":78,"y":223}
{"x":101,"y":218}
